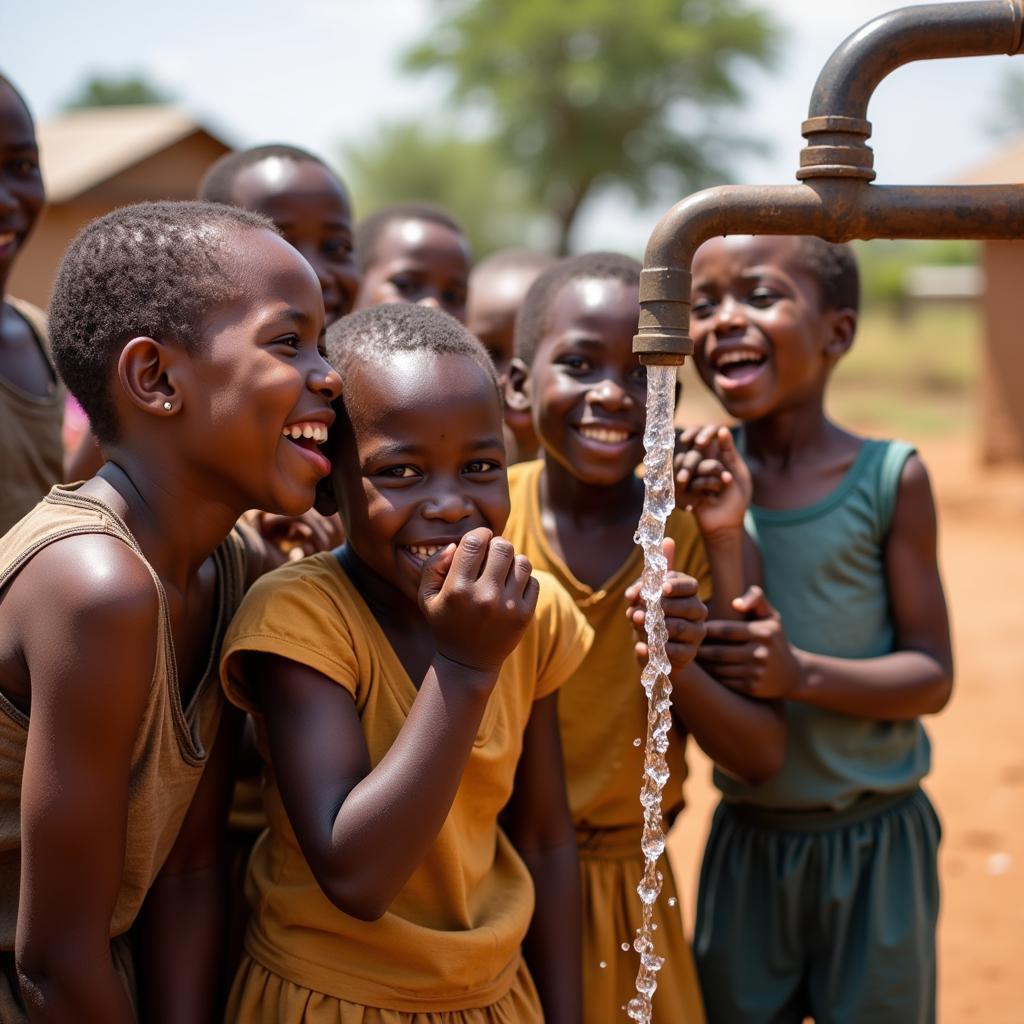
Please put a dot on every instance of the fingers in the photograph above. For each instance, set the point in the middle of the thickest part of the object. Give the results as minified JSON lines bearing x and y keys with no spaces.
{"x":521,"y":575}
{"x":530,"y":595}
{"x":435,"y":571}
{"x":730,"y":654}
{"x":754,"y":603}
{"x":469,"y":556}
{"x":728,"y":631}
{"x":668,"y":549}
{"x":498,"y":562}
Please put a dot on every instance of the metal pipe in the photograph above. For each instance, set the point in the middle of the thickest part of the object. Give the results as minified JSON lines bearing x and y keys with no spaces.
{"x":836,"y":200}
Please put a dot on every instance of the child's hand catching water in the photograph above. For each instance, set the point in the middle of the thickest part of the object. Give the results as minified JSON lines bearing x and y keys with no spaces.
{"x":478,"y":597}
{"x":712,"y":480}
{"x":684,"y":612}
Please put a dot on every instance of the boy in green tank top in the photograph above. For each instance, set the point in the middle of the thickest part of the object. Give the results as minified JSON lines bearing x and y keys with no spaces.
{"x":819,"y":888}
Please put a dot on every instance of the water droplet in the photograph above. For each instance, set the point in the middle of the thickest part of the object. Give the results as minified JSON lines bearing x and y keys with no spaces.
{"x":603,"y":964}
{"x":672,"y":901}
{"x":624,"y":947}
{"x":638,"y":742}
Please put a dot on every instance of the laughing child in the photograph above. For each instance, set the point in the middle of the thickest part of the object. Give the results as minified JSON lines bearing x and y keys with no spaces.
{"x":191,"y":333}
{"x":413,"y":253}
{"x":574,"y":513}
{"x":31,"y":397}
{"x":819,"y":889}
{"x":497,"y":287}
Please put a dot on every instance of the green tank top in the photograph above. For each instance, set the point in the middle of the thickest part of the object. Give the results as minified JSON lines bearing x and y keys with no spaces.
{"x":824,"y":570}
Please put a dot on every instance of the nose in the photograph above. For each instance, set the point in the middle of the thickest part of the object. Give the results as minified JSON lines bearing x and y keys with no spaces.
{"x":611,"y":395}
{"x":7,"y":201}
{"x":448,"y":505}
{"x":323,"y":379}
{"x":730,"y":313}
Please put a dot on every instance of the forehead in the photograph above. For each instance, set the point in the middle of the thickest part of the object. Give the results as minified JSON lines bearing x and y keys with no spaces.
{"x":602,"y":305}
{"x":16,"y":127}
{"x":737,"y":253}
{"x":422,"y":239}
{"x":267,"y":268}
{"x":414,"y":394}
{"x":282,"y":182}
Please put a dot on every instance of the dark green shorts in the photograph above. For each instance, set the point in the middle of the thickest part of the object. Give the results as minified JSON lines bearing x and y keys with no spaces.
{"x":828,"y":916}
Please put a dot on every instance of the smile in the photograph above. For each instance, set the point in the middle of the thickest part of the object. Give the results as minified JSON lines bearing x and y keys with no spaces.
{"x":310,"y":431}
{"x":424,"y":551}
{"x":737,"y":367}
{"x":605,"y":435}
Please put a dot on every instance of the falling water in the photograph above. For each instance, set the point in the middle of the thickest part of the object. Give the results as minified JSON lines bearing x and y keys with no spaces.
{"x":659,"y":500}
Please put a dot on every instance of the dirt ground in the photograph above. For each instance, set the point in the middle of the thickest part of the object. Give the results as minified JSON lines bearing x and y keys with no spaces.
{"x":977,"y":782}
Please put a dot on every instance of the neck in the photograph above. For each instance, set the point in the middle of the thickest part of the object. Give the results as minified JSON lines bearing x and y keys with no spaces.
{"x":387,"y":603}
{"x":787,"y":436}
{"x":561,"y":492}
{"x":176,"y":525}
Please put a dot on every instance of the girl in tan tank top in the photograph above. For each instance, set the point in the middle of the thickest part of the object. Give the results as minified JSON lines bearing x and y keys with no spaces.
{"x":114,"y":596}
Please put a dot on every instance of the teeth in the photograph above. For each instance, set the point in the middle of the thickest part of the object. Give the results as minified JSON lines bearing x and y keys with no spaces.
{"x":740,"y":356}
{"x":310,"y":431}
{"x":424,"y":551}
{"x":6,"y":237}
{"x":608,"y":435}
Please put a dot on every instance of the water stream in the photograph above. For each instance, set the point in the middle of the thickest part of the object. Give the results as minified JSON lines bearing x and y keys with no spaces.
{"x":659,"y":501}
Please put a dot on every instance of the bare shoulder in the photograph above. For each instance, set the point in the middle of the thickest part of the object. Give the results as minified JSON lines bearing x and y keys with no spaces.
{"x":915,"y":488}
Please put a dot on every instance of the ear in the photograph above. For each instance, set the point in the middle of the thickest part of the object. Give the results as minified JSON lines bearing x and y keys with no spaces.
{"x":842,"y":326}
{"x":326,"y":502}
{"x":151,"y":375}
{"x":518,"y":386}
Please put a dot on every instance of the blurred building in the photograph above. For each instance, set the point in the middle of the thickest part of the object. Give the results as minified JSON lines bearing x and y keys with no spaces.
{"x":1002,"y":394}
{"x":97,"y":159}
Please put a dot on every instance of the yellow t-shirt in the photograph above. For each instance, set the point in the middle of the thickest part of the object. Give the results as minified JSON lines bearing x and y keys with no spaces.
{"x":451,"y":938}
{"x":603,"y":708}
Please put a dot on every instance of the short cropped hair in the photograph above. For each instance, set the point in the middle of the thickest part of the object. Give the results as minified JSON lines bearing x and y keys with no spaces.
{"x":370,"y":229}
{"x":381,"y":331}
{"x":833,"y":268}
{"x":532,"y":321}
{"x":511,"y":259}
{"x":148,"y":270}
{"x":218,"y":183}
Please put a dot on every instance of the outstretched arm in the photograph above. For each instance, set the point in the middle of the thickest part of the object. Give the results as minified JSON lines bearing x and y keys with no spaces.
{"x":538,"y":823}
{"x":916,"y":679}
{"x":364,"y":832}
{"x":89,"y":644}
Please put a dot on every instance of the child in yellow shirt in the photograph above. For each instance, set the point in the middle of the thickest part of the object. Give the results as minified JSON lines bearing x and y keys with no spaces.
{"x":574,"y":513}
{"x":404,"y":689}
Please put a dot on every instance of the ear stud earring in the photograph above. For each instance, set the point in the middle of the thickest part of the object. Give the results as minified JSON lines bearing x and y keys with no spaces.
{"x":168,"y":406}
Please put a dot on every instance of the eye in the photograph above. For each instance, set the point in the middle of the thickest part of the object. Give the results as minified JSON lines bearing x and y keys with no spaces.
{"x":482,"y":466}
{"x":290,"y":341}
{"x":337,"y":248}
{"x":398,"y":472}
{"x":404,"y":284}
{"x":639,"y":374}
{"x":702,"y":308}
{"x":763,"y":297}
{"x":454,"y":296}
{"x":24,"y":165}
{"x":574,"y":362}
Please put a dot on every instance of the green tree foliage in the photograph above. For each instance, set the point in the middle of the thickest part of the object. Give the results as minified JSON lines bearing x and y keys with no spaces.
{"x":468,"y":177}
{"x":593,"y":93}
{"x":113,"y":91}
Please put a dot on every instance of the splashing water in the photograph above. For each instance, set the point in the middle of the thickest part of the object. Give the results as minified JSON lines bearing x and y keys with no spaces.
{"x":659,"y":501}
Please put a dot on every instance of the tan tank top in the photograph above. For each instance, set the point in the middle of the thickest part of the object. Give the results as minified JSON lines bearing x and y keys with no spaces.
{"x":173,"y":742}
{"x":32,"y":453}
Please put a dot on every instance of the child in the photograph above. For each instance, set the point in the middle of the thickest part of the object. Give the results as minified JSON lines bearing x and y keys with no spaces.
{"x":413,"y":252}
{"x":309,"y":204}
{"x":574,"y":513}
{"x":190,"y":333}
{"x":31,"y":398}
{"x":396,"y":682}
{"x":819,"y":890}
{"x":497,"y":287}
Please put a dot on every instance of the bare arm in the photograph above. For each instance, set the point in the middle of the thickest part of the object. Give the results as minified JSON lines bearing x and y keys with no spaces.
{"x":178,"y":976}
{"x":755,"y":657}
{"x":87,"y":705}
{"x":538,"y":822}
{"x":364,"y":832}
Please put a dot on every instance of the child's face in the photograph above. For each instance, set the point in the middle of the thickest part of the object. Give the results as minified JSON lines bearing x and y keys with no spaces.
{"x":587,"y":389}
{"x":419,"y":262}
{"x":312,"y":211}
{"x":420,"y":462}
{"x":491,"y":312}
{"x":762,"y":342}
{"x":21,"y":184}
{"x":258,"y":378}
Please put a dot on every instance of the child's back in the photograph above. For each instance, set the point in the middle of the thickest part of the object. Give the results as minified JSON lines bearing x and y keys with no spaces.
{"x":831,"y":865}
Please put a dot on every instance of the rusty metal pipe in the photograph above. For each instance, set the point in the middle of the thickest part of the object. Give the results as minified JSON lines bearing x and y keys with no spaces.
{"x":836,"y":200}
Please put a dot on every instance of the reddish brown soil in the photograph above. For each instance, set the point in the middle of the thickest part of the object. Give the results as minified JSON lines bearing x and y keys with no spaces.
{"x":977,"y":781}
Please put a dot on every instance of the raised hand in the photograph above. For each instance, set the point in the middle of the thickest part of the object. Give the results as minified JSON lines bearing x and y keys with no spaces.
{"x":478,"y":597}
{"x":752,"y":657}
{"x":684,"y":614}
{"x":712,"y":480}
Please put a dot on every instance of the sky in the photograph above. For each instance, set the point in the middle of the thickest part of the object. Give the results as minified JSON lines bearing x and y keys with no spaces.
{"x":324,"y":73}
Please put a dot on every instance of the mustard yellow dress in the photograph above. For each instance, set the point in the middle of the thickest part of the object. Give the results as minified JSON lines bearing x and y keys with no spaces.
{"x":448,"y":949}
{"x":603,"y":711}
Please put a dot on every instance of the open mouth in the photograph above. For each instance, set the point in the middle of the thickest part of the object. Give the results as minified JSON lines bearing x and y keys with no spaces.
{"x":737,"y":367}
{"x":605,"y":434}
{"x":308,"y":435}
{"x":419,"y":554}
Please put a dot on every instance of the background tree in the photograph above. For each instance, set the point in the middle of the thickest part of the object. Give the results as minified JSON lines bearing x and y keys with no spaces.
{"x":116,"y":91}
{"x":1007,"y":116}
{"x":469,"y":177}
{"x":587,"y":94}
